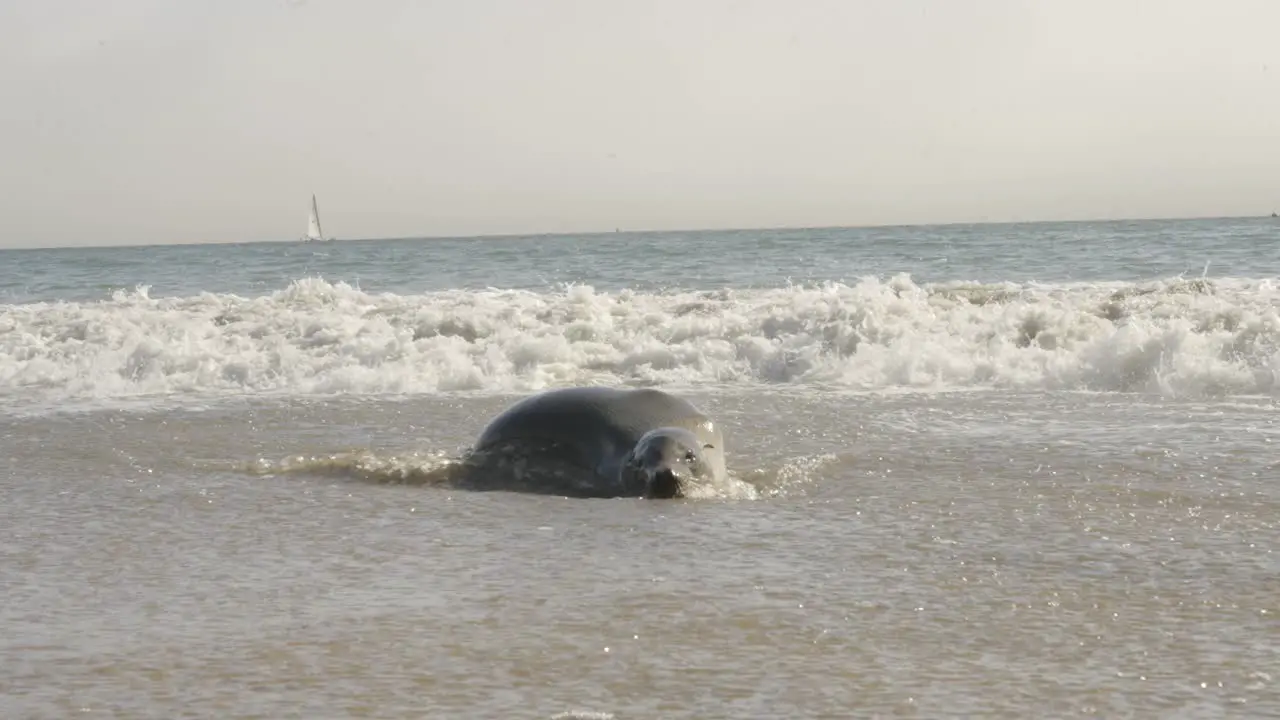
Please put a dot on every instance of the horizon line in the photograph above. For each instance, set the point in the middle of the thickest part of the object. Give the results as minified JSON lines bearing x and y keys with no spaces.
{"x":652,"y":231}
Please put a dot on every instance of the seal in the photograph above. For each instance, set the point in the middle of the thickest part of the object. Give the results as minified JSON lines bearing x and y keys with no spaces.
{"x":600,"y":442}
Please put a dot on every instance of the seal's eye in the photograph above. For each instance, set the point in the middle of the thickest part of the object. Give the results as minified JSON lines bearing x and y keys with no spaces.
{"x":689,"y":456}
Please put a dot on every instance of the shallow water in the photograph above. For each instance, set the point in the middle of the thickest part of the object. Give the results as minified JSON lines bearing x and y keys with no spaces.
{"x":1000,"y":471}
{"x":944,"y":555}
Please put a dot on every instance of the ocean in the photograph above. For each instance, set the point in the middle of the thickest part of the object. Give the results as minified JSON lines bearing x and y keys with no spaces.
{"x":1004,"y":471}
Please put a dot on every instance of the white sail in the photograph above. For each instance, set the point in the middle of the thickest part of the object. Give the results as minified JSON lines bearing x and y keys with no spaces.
{"x":313,"y":222}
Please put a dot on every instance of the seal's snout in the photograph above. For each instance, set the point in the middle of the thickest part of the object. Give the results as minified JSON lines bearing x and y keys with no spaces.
{"x":667,"y":462}
{"x":664,"y":484}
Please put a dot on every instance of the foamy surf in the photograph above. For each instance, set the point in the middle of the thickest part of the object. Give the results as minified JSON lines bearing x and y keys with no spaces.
{"x":448,"y":470}
{"x":1174,"y":338}
{"x":423,"y":469}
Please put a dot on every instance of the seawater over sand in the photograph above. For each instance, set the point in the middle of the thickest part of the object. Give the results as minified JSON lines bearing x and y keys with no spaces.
{"x":980,"y":494}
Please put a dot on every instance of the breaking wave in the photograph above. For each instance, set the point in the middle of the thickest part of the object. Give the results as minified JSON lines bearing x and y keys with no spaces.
{"x":1175,"y":337}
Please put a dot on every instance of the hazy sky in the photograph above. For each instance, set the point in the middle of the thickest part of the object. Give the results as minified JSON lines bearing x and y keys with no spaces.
{"x":142,"y":121}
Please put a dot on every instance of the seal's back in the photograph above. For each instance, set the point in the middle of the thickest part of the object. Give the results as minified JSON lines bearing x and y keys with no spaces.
{"x":620,"y":416}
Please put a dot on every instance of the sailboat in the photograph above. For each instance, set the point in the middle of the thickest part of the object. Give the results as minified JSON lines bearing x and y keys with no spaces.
{"x":313,"y":224}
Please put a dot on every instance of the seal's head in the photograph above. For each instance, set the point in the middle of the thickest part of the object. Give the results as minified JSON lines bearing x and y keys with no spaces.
{"x":668,"y":463}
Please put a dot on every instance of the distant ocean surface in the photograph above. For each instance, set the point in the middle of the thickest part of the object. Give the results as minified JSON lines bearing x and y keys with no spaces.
{"x":996,"y":470}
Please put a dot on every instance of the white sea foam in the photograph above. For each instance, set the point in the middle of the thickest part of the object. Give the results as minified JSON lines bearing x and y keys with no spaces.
{"x":1175,"y":337}
{"x":444,"y":469}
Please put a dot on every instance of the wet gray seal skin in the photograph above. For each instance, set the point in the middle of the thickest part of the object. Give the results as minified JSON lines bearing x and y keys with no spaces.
{"x":600,"y":442}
